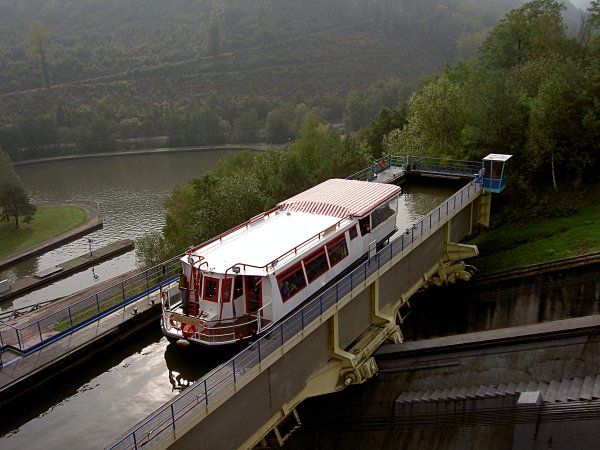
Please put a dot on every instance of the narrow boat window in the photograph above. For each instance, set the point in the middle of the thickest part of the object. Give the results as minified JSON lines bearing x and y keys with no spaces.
{"x":253,"y":293}
{"x":365,"y":226}
{"x":226,"y":290}
{"x":211,"y":287}
{"x":353,"y":233}
{"x":316,"y":265}
{"x":337,"y":251}
{"x":238,"y":287}
{"x":291,"y":282}
{"x":381,"y":214}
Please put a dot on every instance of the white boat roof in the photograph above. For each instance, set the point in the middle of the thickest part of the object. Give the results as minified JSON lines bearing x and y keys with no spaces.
{"x":298,"y":219}
{"x":265,"y":241}
{"x":341,"y":198}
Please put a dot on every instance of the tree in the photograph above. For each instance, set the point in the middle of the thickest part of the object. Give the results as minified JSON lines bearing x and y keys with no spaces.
{"x":13,"y":196}
{"x":434,"y":120}
{"x":37,"y":42}
{"x":530,"y":31}
{"x":386,"y":121}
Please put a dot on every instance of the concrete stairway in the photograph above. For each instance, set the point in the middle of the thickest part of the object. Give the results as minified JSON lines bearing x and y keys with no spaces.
{"x":565,"y":390}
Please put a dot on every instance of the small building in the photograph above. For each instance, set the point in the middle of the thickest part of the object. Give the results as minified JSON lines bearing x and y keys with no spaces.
{"x":496,"y":172}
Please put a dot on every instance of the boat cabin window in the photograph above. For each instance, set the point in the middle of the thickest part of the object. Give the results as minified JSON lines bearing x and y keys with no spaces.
{"x":337,"y":250}
{"x":381,"y":214}
{"x":226,"y":290}
{"x":365,"y":226}
{"x":316,"y":265}
{"x":211,"y":287}
{"x":353,"y":233}
{"x":238,"y":287}
{"x":253,"y":293}
{"x":291,"y":282}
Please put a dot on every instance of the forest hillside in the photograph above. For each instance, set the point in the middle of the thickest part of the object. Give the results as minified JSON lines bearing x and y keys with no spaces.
{"x":92,"y":75}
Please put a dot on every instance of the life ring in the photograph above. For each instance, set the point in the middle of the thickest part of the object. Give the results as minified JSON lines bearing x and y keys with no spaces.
{"x":188,"y":330}
{"x":382,"y":163}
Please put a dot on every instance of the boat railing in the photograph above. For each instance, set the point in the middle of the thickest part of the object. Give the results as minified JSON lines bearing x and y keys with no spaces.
{"x":245,"y":224}
{"x":272,"y":264}
{"x":214,"y":331}
{"x":215,"y":387}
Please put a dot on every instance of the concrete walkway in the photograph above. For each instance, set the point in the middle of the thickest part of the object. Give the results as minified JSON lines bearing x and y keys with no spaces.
{"x":92,"y":222}
{"x":64,"y":269}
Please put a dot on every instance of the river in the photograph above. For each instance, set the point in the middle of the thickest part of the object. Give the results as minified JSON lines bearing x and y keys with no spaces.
{"x":93,"y":405}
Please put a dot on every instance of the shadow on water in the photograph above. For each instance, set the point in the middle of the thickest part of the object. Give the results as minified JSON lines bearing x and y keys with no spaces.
{"x":144,"y":363}
{"x":188,"y":364}
{"x":38,"y":401}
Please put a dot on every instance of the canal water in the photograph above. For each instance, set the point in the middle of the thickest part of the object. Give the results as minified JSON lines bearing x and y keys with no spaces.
{"x":106,"y":396}
{"x":130,"y":191}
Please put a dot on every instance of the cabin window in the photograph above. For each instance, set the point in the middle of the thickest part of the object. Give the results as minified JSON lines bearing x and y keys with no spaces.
{"x":353,"y":233}
{"x":316,"y":265}
{"x":253,"y":294}
{"x":226,"y":290}
{"x":365,"y":226}
{"x":238,"y":287}
{"x":383,"y":213}
{"x":291,"y":282}
{"x":211,"y":287}
{"x":337,"y":250}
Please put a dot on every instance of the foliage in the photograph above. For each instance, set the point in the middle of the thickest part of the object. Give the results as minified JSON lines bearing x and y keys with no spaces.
{"x":572,"y":229}
{"x":135,"y":74}
{"x":532,"y":93}
{"x":13,"y":196}
{"x":244,"y":184}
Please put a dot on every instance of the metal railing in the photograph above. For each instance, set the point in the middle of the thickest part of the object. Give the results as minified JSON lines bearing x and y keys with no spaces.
{"x":423,"y":163}
{"x":218,"y":384}
{"x":31,"y":337}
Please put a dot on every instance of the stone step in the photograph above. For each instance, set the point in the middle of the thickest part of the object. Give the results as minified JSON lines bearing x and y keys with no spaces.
{"x":567,"y":389}
{"x":596,"y":390}
{"x":587,"y":388}
{"x":551,"y":392}
{"x":575,"y":391}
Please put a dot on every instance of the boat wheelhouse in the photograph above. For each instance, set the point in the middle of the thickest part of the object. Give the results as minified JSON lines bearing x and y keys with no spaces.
{"x":242,"y":282}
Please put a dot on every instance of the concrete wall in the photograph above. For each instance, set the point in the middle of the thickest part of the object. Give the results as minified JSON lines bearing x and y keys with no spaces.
{"x":366,"y":416}
{"x":488,"y":304}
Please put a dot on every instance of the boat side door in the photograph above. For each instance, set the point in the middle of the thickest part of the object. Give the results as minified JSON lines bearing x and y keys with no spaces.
{"x":253,"y":294}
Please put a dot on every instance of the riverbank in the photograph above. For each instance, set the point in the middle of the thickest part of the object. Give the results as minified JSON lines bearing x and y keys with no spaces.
{"x":92,"y":222}
{"x":560,"y":225}
{"x":232,"y":147}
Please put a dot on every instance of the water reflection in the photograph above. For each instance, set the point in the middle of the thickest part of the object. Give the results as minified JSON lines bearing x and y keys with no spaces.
{"x":186,"y":365}
{"x":103,"y":398}
{"x":130,"y":191}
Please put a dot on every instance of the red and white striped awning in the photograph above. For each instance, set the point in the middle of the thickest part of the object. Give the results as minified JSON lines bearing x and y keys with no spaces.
{"x":341,"y":198}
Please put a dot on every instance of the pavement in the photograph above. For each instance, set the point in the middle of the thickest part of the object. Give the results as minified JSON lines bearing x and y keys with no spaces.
{"x":93,"y":221}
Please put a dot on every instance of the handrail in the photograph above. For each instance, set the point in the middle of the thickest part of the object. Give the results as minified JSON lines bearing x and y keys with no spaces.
{"x":219,"y":382}
{"x":72,"y":317}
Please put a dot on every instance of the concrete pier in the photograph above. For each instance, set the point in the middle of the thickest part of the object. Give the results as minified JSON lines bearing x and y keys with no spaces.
{"x":24,"y":285}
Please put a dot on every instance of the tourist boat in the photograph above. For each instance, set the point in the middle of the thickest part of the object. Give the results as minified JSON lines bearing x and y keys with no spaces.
{"x":242,"y":282}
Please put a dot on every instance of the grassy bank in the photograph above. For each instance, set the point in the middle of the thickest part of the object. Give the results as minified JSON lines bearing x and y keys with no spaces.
{"x":48,"y":222}
{"x":557,"y":226}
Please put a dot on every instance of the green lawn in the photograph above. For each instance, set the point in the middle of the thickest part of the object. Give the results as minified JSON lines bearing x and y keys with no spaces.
{"x":542,"y":239}
{"x":48,"y":222}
